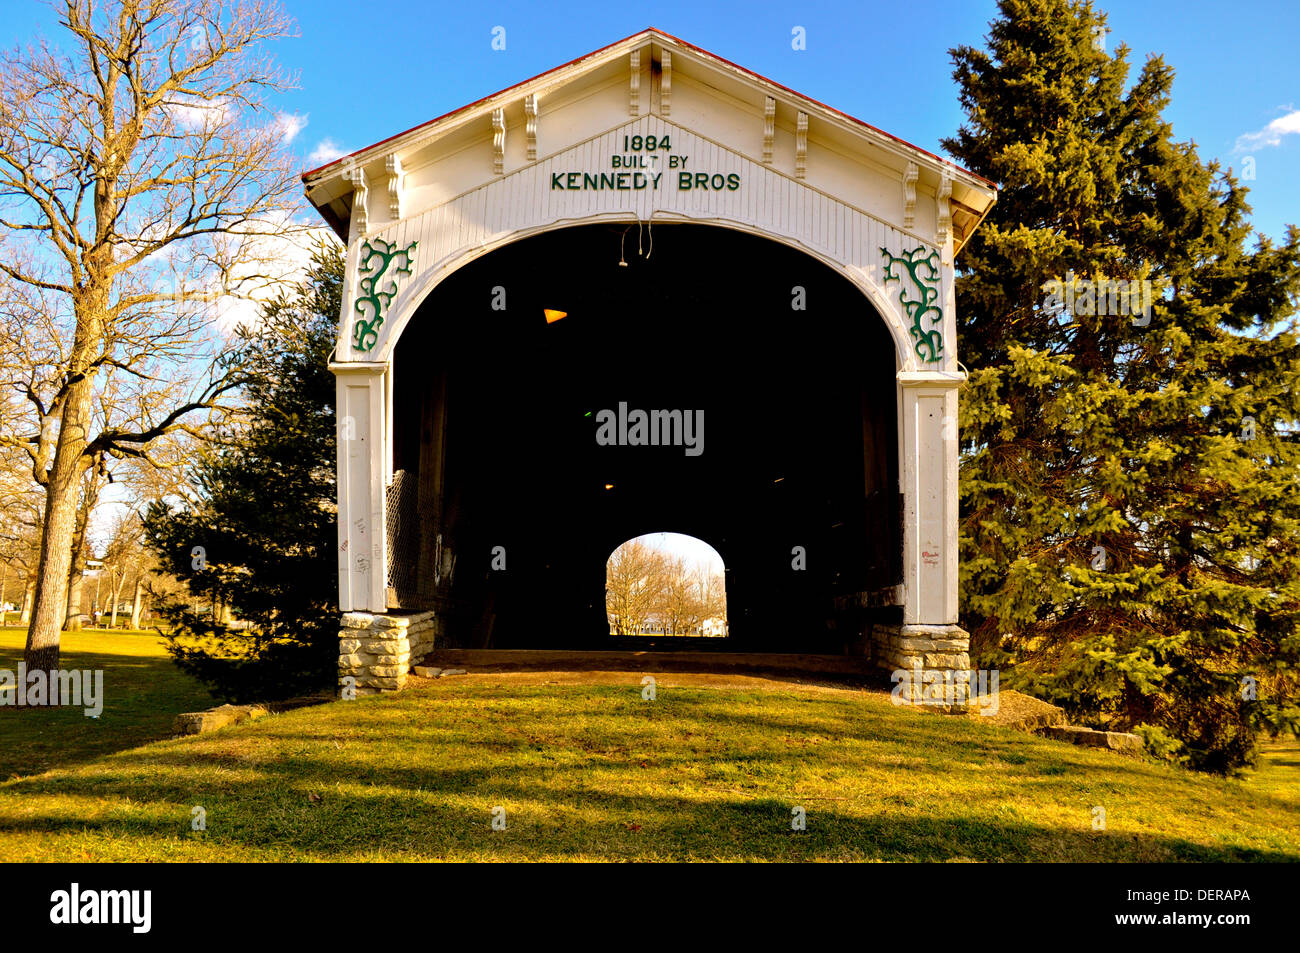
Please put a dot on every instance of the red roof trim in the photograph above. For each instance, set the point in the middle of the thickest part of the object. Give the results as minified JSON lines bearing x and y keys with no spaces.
{"x":838,"y":112}
{"x":690,"y":46}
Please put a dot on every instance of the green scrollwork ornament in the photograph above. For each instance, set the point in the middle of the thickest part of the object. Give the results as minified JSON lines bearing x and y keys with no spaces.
{"x":377,"y":256}
{"x":928,"y":340}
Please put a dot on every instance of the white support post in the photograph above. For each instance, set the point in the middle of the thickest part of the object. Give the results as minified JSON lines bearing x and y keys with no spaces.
{"x":928,"y":401}
{"x":362,"y":411}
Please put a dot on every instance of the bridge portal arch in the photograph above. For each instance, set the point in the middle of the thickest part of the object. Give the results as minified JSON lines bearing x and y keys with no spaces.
{"x":656,"y":135}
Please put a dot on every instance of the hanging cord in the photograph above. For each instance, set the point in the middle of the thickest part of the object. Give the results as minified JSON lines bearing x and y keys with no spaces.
{"x":645,"y":241}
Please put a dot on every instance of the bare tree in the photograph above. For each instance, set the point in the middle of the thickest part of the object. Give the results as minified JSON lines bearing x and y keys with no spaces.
{"x":634,"y":580}
{"x":92,"y":482}
{"x":678,"y":606}
{"x":140,"y":172}
{"x":20,"y":522}
{"x":711,"y":593}
{"x":123,"y":559}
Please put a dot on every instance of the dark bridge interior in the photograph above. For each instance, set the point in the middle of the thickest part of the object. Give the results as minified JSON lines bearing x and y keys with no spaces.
{"x":495,"y":437}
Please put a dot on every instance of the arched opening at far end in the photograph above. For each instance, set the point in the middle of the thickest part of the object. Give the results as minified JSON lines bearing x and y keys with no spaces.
{"x":666,"y":585}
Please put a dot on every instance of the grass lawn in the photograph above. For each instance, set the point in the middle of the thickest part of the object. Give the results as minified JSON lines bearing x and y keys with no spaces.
{"x":143,"y":693}
{"x":1279,"y":771}
{"x":587,"y":770}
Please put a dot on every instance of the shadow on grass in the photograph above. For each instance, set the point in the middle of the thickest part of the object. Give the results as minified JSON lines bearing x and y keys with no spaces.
{"x":445,"y":814}
{"x":579,"y":793}
{"x":142,"y":696}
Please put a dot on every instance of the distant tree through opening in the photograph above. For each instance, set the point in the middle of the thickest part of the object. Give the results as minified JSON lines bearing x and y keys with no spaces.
{"x":666,"y":584}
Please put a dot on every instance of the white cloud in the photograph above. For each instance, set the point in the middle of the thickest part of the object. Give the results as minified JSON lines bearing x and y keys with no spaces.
{"x":271,"y":255}
{"x":326,"y":151}
{"x":192,"y":113}
{"x":289,"y":125}
{"x":1270,"y":135}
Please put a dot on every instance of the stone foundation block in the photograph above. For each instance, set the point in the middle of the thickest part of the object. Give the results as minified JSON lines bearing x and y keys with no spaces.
{"x":377,"y":649}
{"x":383,"y":646}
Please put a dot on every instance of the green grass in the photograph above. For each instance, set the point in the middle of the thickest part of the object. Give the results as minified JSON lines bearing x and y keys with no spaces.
{"x":1279,"y":771}
{"x":590,"y":771}
{"x":143,"y":693}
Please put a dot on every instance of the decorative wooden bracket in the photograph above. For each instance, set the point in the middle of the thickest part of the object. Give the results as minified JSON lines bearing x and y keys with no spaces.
{"x":634,"y":90}
{"x":373,"y":298}
{"x":356,"y":176}
{"x":769,"y":129}
{"x":944,"y":228}
{"x":801,"y":146}
{"x":530,"y":124}
{"x":499,"y":140}
{"x":922,"y":266}
{"x":910,"y":175}
{"x":393,"y":165}
{"x":666,"y":83}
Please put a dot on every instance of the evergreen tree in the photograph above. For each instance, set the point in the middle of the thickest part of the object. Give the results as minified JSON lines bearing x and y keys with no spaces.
{"x":259,"y":542}
{"x":1130,"y":483}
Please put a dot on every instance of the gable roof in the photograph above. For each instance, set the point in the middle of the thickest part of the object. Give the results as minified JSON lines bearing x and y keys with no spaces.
{"x":982,"y":192}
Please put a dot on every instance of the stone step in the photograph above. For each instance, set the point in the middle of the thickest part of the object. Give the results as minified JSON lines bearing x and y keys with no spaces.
{"x":1118,"y":741}
{"x":431,"y":671}
{"x":197,"y":722}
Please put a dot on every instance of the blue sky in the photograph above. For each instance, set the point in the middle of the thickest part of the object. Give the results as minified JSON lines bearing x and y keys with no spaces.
{"x":886,"y":63}
{"x":696,"y":551}
{"x":367,"y":70}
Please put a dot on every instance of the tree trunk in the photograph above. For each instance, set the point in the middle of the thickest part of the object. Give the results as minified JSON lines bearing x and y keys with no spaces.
{"x":50,"y":605}
{"x":29,"y":593}
{"x":62,"y":485}
{"x":72,"y":618}
{"x":136,"y":603}
{"x":117,"y":597}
